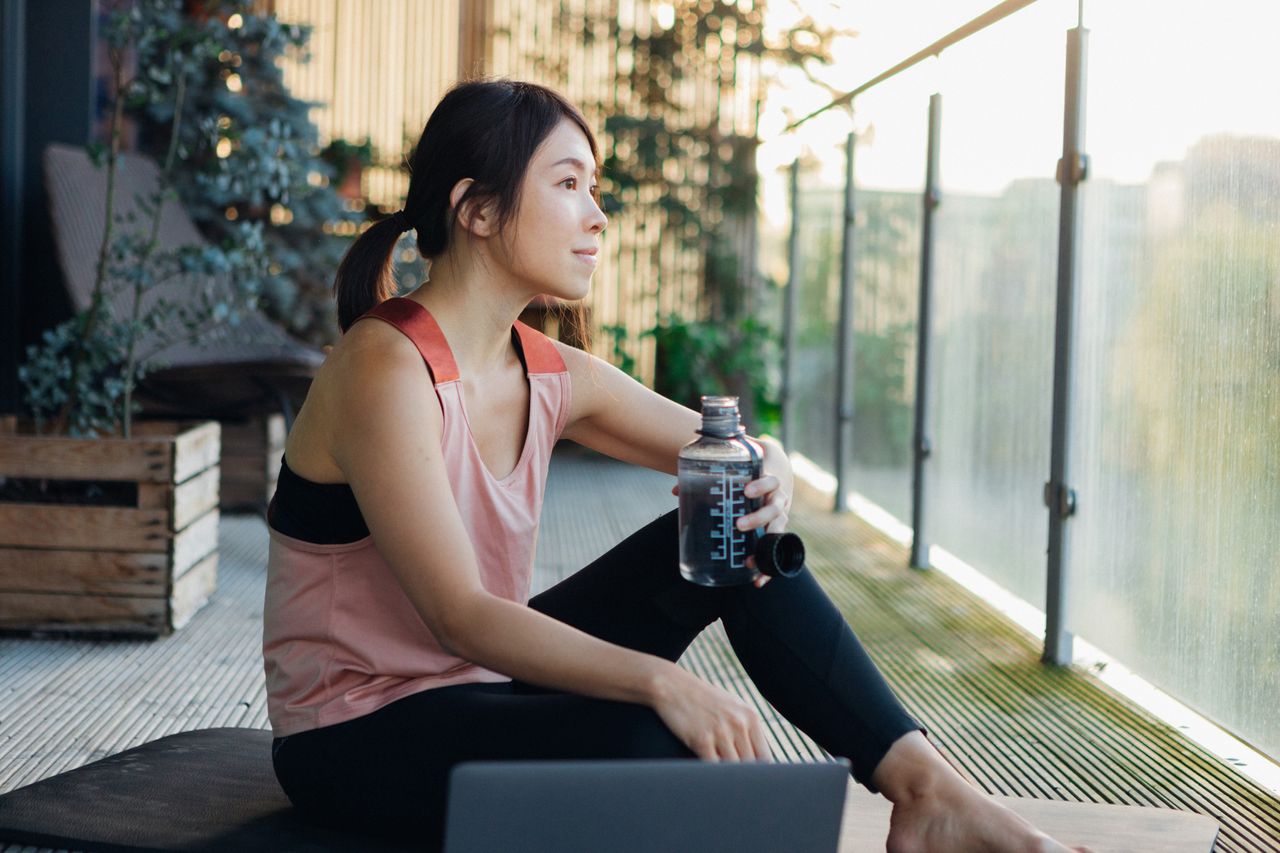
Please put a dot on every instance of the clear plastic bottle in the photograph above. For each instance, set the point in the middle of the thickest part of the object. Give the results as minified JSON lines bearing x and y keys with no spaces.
{"x":712,"y":472}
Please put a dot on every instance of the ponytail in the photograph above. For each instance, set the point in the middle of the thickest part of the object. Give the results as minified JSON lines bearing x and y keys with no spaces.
{"x":365,"y":277}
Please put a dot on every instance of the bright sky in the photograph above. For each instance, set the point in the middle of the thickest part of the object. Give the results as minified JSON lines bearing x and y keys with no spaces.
{"x":1162,"y":74}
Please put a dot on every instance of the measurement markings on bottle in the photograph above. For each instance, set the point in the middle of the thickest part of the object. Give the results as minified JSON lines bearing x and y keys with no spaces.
{"x":730,"y":544}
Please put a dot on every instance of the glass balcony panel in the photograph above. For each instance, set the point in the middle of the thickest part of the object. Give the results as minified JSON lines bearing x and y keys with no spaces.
{"x":1176,"y":451}
{"x":994,"y":294}
{"x":891,"y":161}
{"x":813,"y":376}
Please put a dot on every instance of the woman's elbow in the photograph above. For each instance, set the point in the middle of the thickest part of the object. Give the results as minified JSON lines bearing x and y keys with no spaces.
{"x":458,"y":626}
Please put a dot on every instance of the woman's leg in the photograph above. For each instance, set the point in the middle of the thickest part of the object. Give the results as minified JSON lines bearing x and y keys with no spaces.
{"x":801,"y":653}
{"x":791,"y":639}
{"x":387,"y":772}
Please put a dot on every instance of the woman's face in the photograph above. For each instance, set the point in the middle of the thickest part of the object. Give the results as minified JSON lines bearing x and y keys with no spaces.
{"x":554,"y":239}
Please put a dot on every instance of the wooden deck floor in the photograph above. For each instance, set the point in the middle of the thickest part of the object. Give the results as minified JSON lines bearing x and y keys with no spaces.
{"x":973,"y":678}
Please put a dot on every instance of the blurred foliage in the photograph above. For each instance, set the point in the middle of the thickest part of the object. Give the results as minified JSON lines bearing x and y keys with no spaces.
{"x":250,"y":153}
{"x":82,"y":373}
{"x":704,"y":179}
{"x":701,"y":357}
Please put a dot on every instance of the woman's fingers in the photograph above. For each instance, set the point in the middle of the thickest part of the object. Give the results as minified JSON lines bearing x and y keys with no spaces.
{"x":763,"y":486}
{"x":760,"y":742}
{"x":773,"y":514}
{"x":760,"y":580}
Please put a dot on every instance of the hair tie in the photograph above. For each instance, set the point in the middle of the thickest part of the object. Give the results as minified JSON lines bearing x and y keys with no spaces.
{"x":402,"y":221}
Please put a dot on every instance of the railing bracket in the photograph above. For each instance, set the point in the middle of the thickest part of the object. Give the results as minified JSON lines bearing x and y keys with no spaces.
{"x":1060,"y":499}
{"x":1079,"y":169}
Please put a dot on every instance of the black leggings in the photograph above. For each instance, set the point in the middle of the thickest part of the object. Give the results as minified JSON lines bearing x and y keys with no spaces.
{"x":386,"y":772}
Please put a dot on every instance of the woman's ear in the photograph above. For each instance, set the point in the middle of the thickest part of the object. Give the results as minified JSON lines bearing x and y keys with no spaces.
{"x":474,"y":218}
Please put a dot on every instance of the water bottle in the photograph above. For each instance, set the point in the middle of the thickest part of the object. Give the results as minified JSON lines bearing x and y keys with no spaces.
{"x":713,"y":470}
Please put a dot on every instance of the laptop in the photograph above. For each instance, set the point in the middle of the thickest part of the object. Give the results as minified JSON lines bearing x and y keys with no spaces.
{"x":645,"y":806}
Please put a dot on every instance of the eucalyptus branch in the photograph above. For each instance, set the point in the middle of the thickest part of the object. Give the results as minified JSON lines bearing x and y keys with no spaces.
{"x":97,"y":300}
{"x":126,"y":413}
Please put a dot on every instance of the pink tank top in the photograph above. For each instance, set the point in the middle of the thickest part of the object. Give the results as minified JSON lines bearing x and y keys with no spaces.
{"x":340,"y":637}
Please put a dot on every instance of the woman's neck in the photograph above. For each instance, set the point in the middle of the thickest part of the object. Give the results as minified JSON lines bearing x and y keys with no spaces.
{"x":475,"y":306}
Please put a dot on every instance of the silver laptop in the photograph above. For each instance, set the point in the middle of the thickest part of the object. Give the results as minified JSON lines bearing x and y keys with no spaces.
{"x":644,"y":806}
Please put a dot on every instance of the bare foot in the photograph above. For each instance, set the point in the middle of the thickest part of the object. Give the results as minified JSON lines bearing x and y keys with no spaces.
{"x":935,"y":810}
{"x":964,"y":819}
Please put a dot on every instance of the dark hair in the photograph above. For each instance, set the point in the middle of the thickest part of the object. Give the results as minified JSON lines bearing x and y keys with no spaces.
{"x":486,"y":130}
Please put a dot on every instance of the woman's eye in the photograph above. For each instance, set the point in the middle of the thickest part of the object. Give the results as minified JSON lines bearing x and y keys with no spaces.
{"x":573,"y":181}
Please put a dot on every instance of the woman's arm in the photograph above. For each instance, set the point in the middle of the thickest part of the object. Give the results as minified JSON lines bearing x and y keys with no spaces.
{"x":385,"y":437}
{"x":612,"y":413}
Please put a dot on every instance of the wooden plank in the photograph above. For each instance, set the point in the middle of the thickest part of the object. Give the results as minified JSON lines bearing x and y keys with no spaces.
{"x":60,"y":458}
{"x":192,"y":591}
{"x":255,"y":436}
{"x":244,"y":468}
{"x":97,"y":527}
{"x":246,"y":494}
{"x":92,"y":572}
{"x":149,"y":457}
{"x":275,"y":431}
{"x":1102,"y":828}
{"x":195,"y":497}
{"x":194,"y":543}
{"x":196,"y":449}
{"x":47,"y":611}
{"x":155,"y":496}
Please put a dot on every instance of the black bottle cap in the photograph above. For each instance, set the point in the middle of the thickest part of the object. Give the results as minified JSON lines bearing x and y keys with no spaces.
{"x":780,"y":555}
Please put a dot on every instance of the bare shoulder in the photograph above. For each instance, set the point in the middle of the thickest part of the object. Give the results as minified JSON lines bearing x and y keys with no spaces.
{"x":373,"y":386}
{"x":595,"y":383}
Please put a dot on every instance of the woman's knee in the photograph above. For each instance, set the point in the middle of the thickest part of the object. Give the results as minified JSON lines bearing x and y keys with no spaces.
{"x":644,"y":735}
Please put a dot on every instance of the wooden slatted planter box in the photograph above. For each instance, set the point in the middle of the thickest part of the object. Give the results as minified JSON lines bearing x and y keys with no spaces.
{"x":142,"y":562}
{"x":251,"y":454}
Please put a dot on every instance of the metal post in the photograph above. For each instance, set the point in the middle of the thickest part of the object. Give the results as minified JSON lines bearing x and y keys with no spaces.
{"x":791,"y":301}
{"x":844,"y":337}
{"x":921,"y":445}
{"x":1059,"y":497}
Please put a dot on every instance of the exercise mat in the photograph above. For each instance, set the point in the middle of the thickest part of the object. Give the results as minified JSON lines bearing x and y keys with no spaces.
{"x":212,"y":789}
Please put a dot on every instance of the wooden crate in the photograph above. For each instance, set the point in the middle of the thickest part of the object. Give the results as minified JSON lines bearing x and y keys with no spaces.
{"x":145,"y":568}
{"x":251,"y":454}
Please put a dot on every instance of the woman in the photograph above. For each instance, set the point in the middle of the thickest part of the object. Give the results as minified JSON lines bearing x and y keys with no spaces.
{"x":399,"y":638}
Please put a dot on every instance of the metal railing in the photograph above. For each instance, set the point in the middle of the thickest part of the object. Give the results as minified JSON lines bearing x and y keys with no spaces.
{"x":1059,"y":497}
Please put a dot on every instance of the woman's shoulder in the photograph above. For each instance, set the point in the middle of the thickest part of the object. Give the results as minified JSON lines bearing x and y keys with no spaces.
{"x":369,"y":352}
{"x":373,"y":372}
{"x":575,"y":360}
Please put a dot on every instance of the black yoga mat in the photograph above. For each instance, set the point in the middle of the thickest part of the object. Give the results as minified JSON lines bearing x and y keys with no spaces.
{"x":212,"y":789}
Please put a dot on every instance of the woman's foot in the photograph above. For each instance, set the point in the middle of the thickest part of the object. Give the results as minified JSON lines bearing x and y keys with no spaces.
{"x":935,"y":809}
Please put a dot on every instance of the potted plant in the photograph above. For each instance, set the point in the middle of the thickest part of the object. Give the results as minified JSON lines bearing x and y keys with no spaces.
{"x":107,"y":524}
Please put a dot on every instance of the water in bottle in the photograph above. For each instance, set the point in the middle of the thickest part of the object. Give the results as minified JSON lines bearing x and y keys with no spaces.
{"x":712,"y":471}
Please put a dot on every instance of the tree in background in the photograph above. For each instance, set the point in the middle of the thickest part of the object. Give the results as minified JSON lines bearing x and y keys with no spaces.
{"x":250,"y":153}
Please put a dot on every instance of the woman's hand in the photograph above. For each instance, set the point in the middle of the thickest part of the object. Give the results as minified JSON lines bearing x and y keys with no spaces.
{"x":712,"y":722}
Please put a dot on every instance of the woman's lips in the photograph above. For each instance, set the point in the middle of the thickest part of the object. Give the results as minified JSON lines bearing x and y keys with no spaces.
{"x":589,"y":257}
